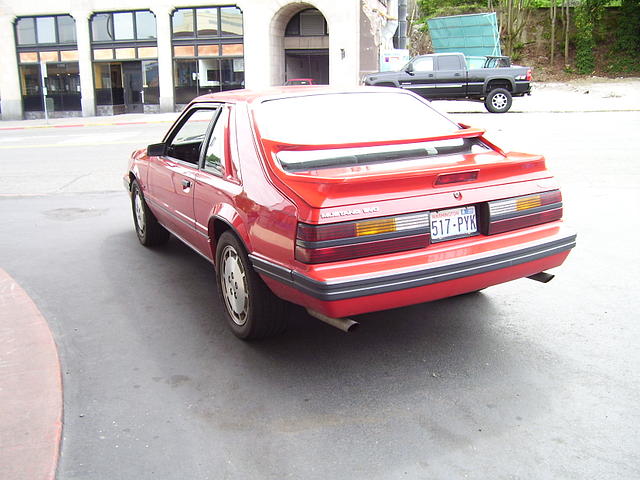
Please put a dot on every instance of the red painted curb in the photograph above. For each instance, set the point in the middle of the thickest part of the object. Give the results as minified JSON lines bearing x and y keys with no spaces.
{"x":30,"y":388}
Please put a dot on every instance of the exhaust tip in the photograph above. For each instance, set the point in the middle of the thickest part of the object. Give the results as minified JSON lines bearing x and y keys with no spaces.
{"x":542,"y":277}
{"x":344,"y":324}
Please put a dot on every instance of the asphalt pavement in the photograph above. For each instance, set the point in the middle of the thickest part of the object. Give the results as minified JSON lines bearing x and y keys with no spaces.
{"x":523,"y":380}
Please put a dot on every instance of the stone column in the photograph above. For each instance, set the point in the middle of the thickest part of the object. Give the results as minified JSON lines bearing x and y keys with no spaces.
{"x":258,"y":65}
{"x":9,"y":74}
{"x":165,"y":57}
{"x":85,"y":65}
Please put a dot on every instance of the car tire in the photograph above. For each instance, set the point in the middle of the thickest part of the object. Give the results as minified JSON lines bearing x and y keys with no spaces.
{"x":250,"y":308}
{"x":148,"y":229}
{"x":498,"y":100}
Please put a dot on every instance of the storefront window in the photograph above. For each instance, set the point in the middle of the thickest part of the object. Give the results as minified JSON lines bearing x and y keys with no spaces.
{"x":182,"y":23}
{"x":42,"y":30}
{"x":207,"y":42}
{"x":109,"y":27}
{"x":63,"y":86}
{"x":26,"y":29}
{"x":30,"y":80}
{"x":108,"y":78}
{"x":186,"y":80}
{"x":209,"y":22}
{"x":151,"y":83}
{"x":66,"y":29}
{"x":195,"y":77}
{"x":207,"y":19}
{"x":123,"y":26}
{"x":145,"y":25}
{"x":231,"y":21}
{"x":100,"y":27}
{"x":46,"y":28}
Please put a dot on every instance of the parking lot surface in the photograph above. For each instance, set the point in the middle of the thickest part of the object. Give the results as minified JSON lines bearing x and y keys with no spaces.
{"x":522,"y":380}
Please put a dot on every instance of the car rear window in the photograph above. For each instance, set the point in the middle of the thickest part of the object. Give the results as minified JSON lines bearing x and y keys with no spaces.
{"x":328,"y":119}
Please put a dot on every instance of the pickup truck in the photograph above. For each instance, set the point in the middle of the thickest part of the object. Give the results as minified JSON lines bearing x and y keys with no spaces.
{"x":445,"y":76}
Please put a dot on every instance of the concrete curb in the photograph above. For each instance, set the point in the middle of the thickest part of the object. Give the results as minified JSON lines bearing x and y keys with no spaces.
{"x":30,"y":388}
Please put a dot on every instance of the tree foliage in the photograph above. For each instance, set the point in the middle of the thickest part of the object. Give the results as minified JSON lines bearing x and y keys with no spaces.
{"x":588,"y":14}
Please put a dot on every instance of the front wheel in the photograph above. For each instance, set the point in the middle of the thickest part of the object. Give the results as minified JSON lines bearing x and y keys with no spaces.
{"x":251,"y":310}
{"x":148,"y":229}
{"x":498,"y":100}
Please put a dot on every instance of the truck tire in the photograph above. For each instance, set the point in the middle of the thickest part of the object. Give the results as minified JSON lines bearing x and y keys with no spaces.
{"x":498,"y":100}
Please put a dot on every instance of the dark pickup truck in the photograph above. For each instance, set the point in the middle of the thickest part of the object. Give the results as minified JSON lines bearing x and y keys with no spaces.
{"x":444,"y":76}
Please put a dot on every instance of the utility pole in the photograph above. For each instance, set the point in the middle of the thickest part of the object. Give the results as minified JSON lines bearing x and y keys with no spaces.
{"x":402,"y":24}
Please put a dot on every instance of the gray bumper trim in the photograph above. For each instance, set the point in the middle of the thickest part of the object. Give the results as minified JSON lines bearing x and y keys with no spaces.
{"x":342,"y":290}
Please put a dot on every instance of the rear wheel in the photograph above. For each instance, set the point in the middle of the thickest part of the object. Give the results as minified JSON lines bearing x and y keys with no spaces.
{"x":148,"y":229}
{"x":498,"y":100}
{"x":251,"y":310}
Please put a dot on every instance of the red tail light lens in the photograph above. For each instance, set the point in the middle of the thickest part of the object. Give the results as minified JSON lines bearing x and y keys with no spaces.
{"x":341,"y":241}
{"x":529,"y":75}
{"x":525,"y":211}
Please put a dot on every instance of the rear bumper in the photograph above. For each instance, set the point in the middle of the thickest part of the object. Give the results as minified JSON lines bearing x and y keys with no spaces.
{"x":521,"y":88}
{"x":343,"y":296}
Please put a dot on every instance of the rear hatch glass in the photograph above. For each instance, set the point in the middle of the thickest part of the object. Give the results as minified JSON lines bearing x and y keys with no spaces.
{"x":347,"y":118}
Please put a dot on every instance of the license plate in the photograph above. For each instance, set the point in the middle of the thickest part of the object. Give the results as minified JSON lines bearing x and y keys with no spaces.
{"x":453,"y":223}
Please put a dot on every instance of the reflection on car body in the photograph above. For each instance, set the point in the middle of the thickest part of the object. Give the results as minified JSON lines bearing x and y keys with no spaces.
{"x":304,"y":195}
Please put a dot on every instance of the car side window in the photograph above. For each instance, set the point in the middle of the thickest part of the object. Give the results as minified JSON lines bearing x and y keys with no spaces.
{"x":187,"y":141}
{"x":449,"y":62}
{"x":215,"y":155}
{"x":423,"y":64}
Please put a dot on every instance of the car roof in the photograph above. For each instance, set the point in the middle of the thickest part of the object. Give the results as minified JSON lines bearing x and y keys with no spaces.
{"x":272,"y":93}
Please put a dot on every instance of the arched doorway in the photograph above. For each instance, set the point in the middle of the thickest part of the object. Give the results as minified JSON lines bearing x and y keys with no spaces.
{"x":301,"y":38}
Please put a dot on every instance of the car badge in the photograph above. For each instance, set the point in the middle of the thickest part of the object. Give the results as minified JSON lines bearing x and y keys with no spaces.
{"x":457,"y":195}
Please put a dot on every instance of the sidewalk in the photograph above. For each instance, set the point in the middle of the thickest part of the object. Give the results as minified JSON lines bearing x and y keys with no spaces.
{"x":30,"y":388}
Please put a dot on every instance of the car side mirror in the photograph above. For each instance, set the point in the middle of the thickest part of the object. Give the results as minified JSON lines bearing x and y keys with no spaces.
{"x":156,"y":150}
{"x":409,"y":69}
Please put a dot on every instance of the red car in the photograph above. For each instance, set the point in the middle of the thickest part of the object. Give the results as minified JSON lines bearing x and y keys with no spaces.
{"x":300,"y":81}
{"x":344,"y":202}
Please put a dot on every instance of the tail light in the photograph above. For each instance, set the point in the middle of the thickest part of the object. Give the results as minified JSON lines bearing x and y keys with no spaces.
{"x":345,"y":240}
{"x":528,"y":75}
{"x":524,"y":211}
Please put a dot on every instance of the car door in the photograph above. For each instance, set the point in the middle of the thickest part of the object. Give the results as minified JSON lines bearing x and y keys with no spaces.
{"x":421,"y":78}
{"x":451,"y":76}
{"x":172,"y":176}
{"x":218,"y":180}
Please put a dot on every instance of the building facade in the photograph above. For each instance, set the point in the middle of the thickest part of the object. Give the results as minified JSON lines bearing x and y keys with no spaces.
{"x":97,"y":57}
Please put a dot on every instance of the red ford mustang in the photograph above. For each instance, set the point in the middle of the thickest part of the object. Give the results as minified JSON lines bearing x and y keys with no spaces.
{"x":344,"y":202}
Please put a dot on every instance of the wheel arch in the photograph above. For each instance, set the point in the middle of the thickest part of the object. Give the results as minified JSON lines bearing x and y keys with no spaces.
{"x":225,"y":218}
{"x":499,"y":82}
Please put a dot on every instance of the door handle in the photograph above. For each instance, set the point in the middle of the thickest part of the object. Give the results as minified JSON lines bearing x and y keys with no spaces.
{"x":186,"y":183}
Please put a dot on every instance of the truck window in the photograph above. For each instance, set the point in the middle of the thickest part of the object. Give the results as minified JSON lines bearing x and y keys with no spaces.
{"x":424,"y":64}
{"x":449,"y":62}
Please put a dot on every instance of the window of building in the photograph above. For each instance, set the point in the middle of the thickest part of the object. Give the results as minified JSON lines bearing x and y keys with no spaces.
{"x":309,"y":22}
{"x":125,"y":61}
{"x":208,"y":51}
{"x":49,"y":30}
{"x":207,"y":22}
{"x":123,"y":26}
{"x":48,"y":42}
{"x":145,"y":25}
